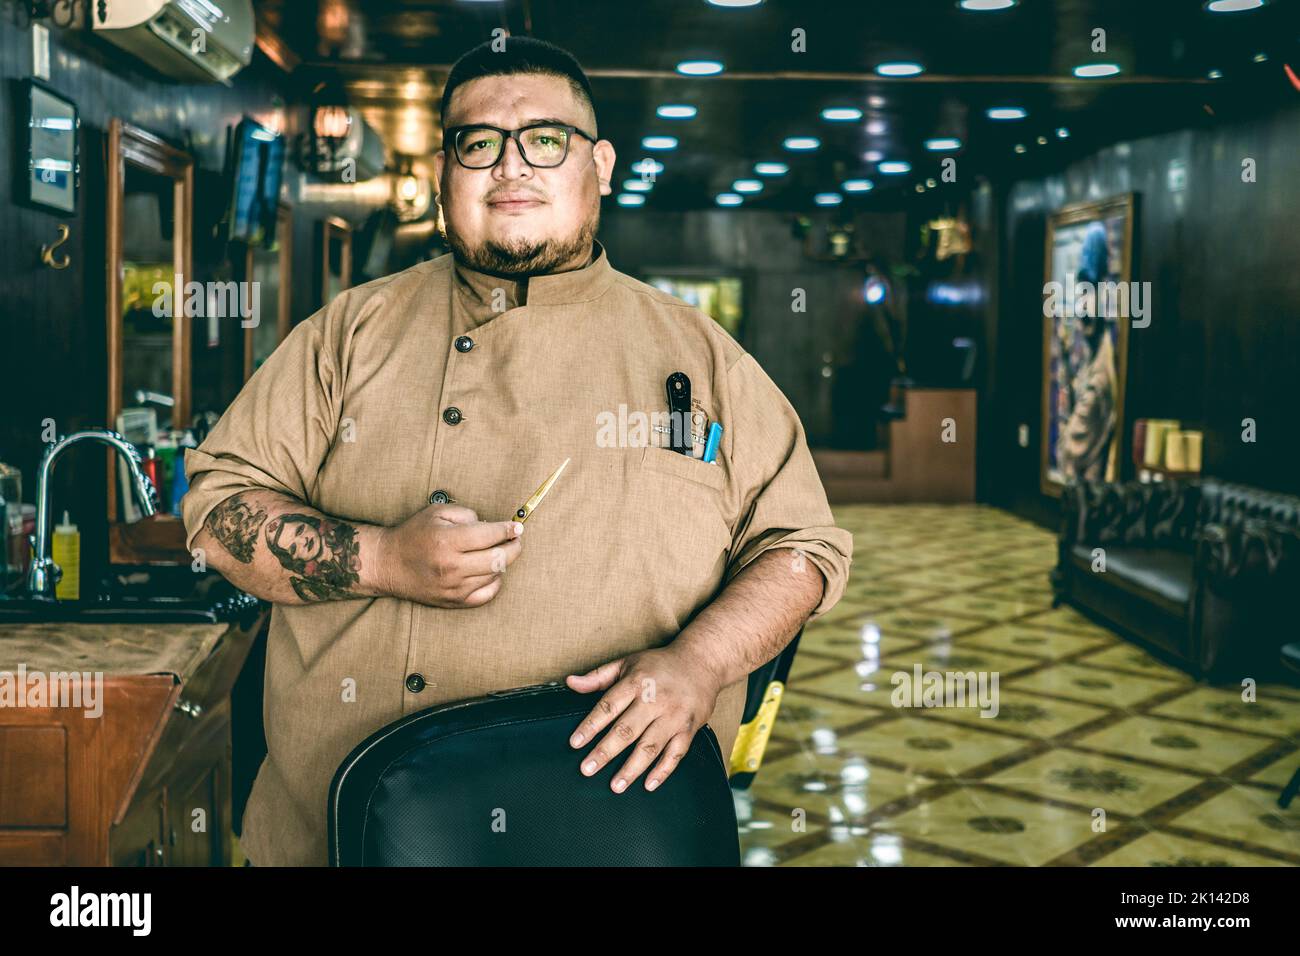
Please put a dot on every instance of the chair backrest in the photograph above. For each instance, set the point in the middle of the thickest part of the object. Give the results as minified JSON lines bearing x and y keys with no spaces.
{"x":493,"y":782}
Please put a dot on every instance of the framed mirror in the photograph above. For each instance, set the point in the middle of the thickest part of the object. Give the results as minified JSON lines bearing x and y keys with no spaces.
{"x":148,"y":219}
{"x":335,"y":258}
{"x":270,"y":269}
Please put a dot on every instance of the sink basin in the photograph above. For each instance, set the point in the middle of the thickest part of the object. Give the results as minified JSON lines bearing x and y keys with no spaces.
{"x":145,"y":595}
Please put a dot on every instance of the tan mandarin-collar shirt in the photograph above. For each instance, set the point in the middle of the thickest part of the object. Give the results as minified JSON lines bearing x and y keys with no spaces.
{"x":353,"y":414}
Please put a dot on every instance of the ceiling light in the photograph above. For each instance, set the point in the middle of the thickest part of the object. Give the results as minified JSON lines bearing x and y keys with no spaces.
{"x":841,"y":114}
{"x":735,"y":3}
{"x":1260,"y":57}
{"x":647,"y":167}
{"x":747,"y":186}
{"x":875,"y":101}
{"x":1090,"y":71}
{"x":1006,"y":113}
{"x":728,"y":199}
{"x":920,"y":187}
{"x":659,"y":142}
{"x":828,"y":199}
{"x":1042,"y":141}
{"x":986,"y":5}
{"x":630,"y":199}
{"x":638,"y":185}
{"x":942,"y":144}
{"x":1214,"y":75}
{"x":877,"y":127}
{"x":699,"y":67}
{"x":900,"y":68}
{"x":857,"y":185}
{"x":873,"y":155}
{"x":1062,"y":133}
{"x":894,"y":167}
{"x":802,"y":143}
{"x":930,"y":184}
{"x":1233,"y":6}
{"x":771,"y":169}
{"x":1020,"y":147}
{"x":676,"y":111}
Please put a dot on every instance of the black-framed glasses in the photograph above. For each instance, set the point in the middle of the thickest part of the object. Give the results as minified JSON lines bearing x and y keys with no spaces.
{"x":543,"y":145}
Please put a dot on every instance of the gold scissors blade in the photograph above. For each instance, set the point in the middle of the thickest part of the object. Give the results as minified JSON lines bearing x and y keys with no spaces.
{"x":531,"y":504}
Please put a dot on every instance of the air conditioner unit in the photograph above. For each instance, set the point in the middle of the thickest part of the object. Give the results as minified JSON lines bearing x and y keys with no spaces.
{"x":196,"y":40}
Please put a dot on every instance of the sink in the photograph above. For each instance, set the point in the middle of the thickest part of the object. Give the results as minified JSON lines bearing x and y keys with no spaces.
{"x":145,"y":595}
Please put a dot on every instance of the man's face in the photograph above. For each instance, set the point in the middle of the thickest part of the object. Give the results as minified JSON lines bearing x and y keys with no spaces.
{"x":513,"y":219}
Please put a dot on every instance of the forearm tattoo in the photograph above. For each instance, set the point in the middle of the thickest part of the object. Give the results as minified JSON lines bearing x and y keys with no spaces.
{"x":235,"y":523}
{"x":323,"y":554}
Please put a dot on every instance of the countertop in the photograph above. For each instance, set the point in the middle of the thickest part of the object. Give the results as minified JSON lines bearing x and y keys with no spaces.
{"x":111,"y":649}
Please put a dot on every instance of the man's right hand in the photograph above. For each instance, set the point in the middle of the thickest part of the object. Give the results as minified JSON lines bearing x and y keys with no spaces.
{"x":444,"y":556}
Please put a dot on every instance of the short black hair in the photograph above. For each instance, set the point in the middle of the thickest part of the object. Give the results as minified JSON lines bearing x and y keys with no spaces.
{"x":521,"y":55}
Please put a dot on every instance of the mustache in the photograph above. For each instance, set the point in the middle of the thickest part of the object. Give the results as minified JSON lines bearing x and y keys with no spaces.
{"x":515,"y":193}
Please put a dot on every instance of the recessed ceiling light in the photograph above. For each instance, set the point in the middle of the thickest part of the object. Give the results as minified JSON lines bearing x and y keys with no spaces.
{"x":894,"y":167}
{"x":900,"y":68}
{"x":873,"y":155}
{"x":930,"y":184}
{"x":676,"y":111}
{"x":920,"y":187}
{"x":1006,"y":113}
{"x":1042,"y":141}
{"x":1062,"y":133}
{"x":699,"y":67}
{"x":857,"y":185}
{"x":645,"y":167}
{"x":802,"y":143}
{"x":638,"y":185}
{"x":1260,"y":57}
{"x":841,"y":114}
{"x":941,"y":144}
{"x":771,"y":169}
{"x":659,"y":142}
{"x":729,"y":199}
{"x":828,"y":199}
{"x":875,"y":101}
{"x":877,"y":127}
{"x":1090,"y":71}
{"x":1233,"y":6}
{"x":986,"y":5}
{"x":1214,"y":75}
{"x":747,"y":186}
{"x":1020,"y":147}
{"x":630,"y":199}
{"x":735,"y":3}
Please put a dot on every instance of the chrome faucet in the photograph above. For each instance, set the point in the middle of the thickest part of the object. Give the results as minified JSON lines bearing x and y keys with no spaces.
{"x":44,"y":572}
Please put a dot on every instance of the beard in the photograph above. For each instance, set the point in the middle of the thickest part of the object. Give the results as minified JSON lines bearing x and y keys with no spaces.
{"x":521,"y":258}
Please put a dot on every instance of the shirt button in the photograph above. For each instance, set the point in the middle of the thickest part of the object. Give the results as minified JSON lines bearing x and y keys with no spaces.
{"x":464,"y":343}
{"x":451,"y":415}
{"x":414,"y":683}
{"x":439,"y":497}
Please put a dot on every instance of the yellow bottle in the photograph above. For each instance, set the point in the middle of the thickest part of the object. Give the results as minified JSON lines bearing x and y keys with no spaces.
{"x":67,"y":555}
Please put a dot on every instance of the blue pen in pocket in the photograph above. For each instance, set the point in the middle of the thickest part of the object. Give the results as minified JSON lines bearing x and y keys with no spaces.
{"x":711,"y":445}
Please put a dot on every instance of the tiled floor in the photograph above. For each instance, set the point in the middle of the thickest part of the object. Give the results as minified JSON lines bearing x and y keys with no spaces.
{"x":1098,"y":754}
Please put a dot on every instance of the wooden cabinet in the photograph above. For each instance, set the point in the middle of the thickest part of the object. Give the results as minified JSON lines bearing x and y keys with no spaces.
{"x":145,"y":783}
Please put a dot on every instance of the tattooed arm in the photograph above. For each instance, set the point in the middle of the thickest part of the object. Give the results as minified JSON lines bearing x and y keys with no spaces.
{"x":283,"y":551}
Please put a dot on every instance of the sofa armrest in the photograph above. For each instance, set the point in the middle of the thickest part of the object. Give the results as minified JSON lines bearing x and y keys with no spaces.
{"x":1161,"y":514}
{"x":1251,"y":558}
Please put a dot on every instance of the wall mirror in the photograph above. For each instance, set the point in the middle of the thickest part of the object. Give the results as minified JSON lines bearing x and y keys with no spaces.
{"x":148,"y":218}
{"x":270,"y":268}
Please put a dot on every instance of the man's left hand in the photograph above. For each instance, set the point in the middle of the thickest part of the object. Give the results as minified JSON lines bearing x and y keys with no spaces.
{"x":655,"y":700}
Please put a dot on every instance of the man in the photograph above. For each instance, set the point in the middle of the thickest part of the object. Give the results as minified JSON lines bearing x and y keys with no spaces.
{"x":365,"y":478}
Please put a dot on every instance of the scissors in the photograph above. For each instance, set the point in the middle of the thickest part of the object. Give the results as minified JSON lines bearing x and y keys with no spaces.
{"x":529,"y":506}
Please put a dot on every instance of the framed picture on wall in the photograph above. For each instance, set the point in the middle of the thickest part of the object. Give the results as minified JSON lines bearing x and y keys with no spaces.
{"x":1086,"y":317}
{"x":50,"y":158}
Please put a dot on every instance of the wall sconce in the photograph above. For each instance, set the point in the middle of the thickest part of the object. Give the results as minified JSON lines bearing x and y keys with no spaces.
{"x":412,"y":193}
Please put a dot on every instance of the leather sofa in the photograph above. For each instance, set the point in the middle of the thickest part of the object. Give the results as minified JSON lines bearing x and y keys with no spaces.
{"x":1202,"y":573}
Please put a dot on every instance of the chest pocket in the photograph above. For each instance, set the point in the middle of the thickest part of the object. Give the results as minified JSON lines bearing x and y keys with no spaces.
{"x":688,"y":496}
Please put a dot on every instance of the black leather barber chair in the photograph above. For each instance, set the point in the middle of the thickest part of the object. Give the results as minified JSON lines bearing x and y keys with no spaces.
{"x":493,"y":782}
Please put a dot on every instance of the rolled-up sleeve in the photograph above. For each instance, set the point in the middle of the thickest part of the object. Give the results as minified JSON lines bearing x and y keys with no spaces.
{"x":277,"y":431}
{"x":782,"y":501}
